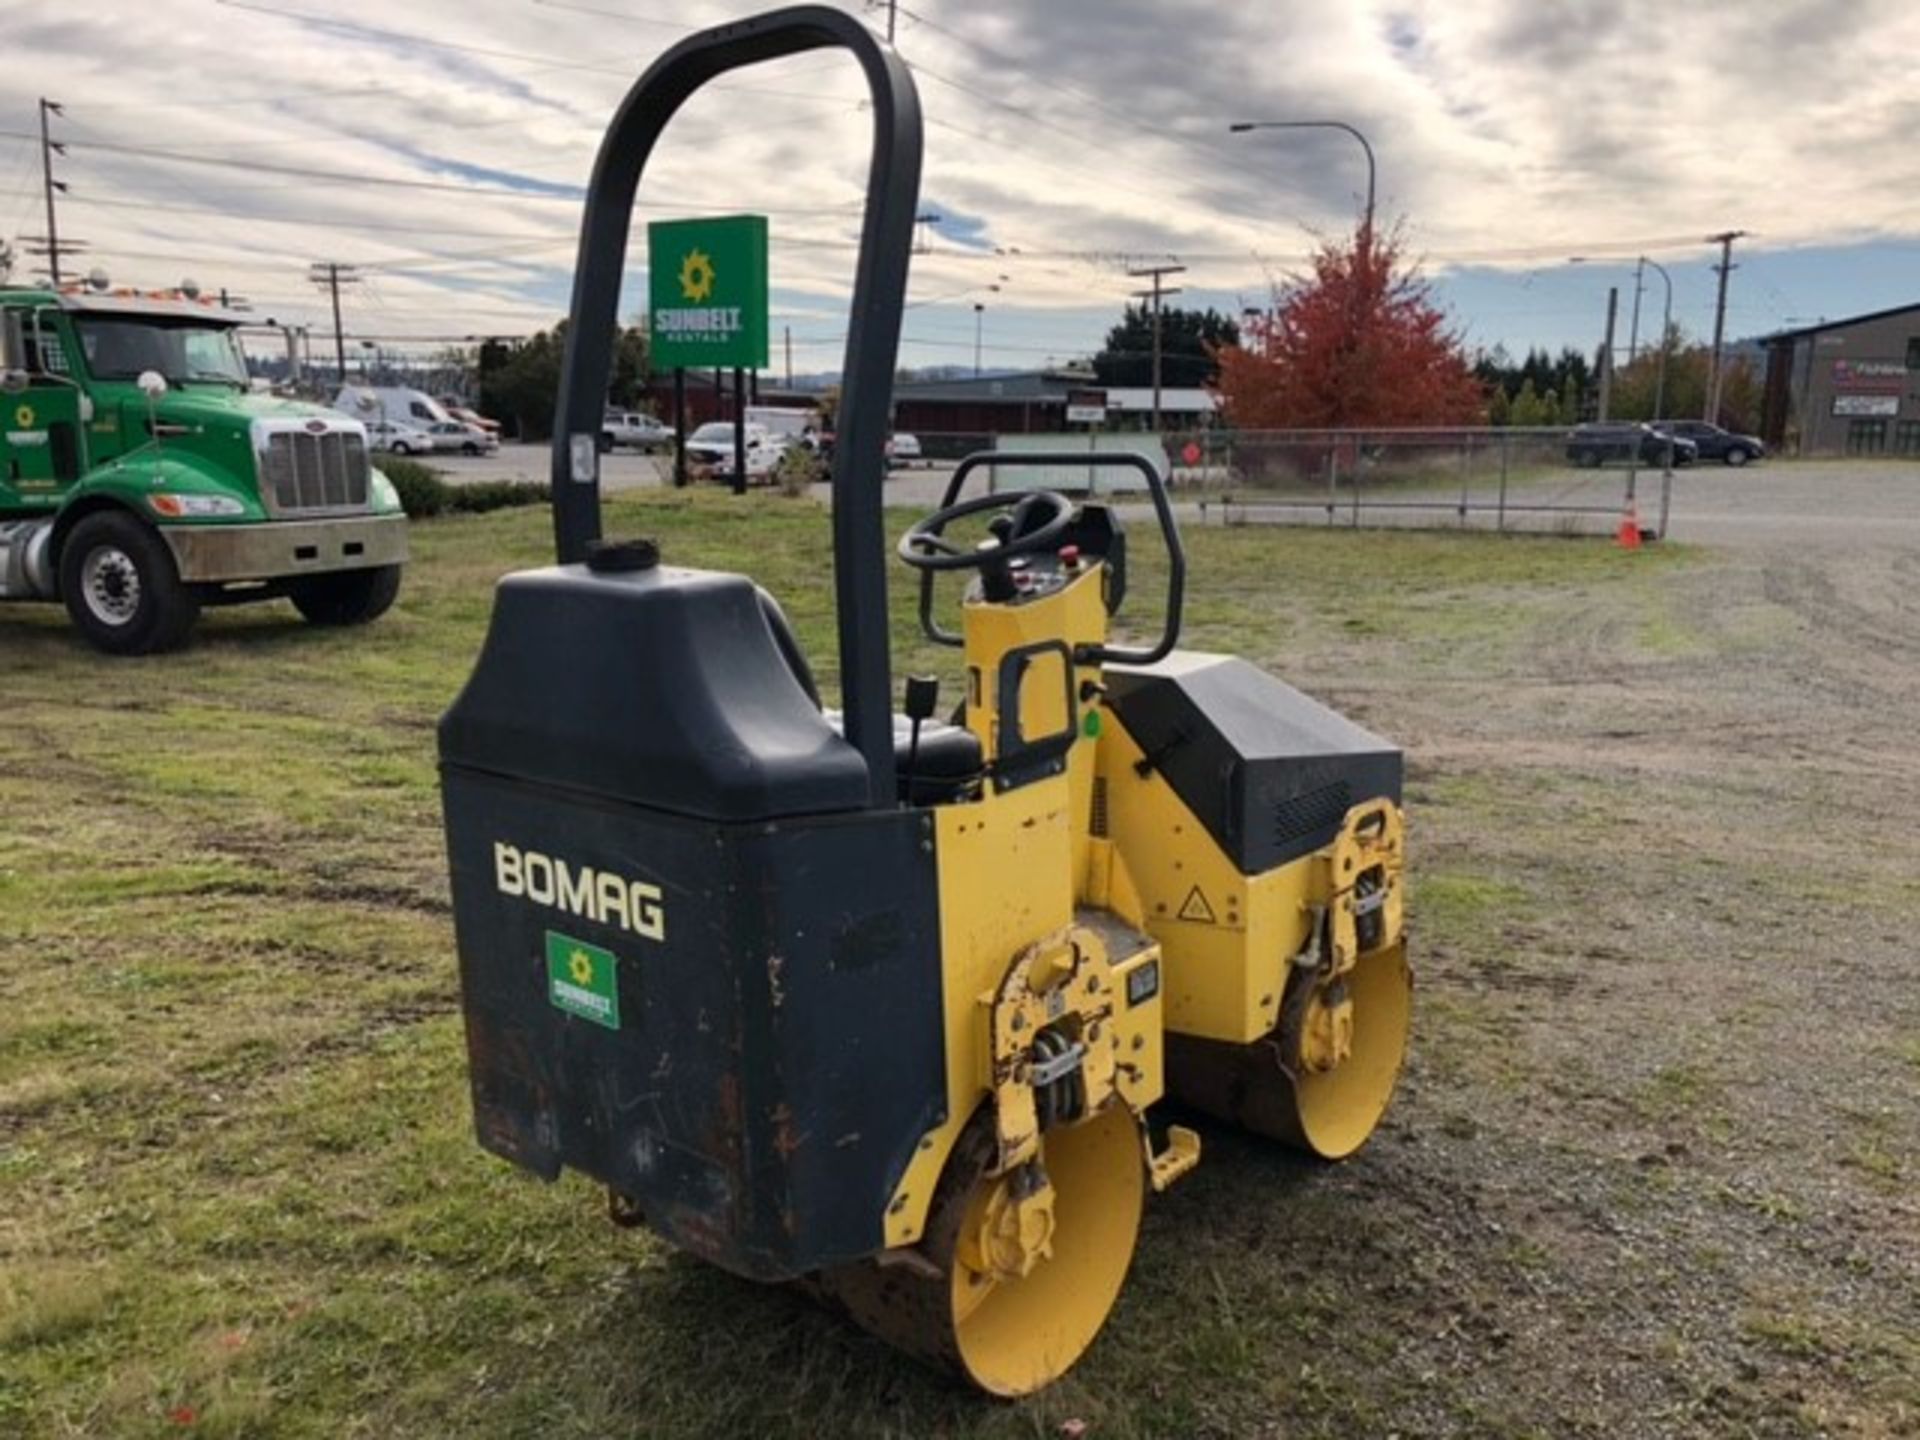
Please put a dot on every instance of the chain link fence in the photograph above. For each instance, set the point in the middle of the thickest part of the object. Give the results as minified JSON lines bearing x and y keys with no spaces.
{"x":1501,"y":479}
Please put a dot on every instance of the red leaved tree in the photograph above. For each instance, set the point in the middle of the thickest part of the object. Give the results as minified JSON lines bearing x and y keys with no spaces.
{"x":1359,"y":342}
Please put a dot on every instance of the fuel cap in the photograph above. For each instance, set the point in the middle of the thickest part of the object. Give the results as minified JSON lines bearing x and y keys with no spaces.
{"x":615,"y":557}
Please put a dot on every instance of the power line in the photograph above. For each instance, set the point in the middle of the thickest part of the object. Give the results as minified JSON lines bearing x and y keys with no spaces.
{"x":275,"y":97}
{"x":545,"y":62}
{"x":487,"y":52}
{"x":340,"y":177}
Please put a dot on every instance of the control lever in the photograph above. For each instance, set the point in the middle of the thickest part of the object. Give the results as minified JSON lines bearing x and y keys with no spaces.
{"x":923,"y":694}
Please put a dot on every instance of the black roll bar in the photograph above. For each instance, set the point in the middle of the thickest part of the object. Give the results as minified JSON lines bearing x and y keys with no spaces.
{"x":873,"y":330}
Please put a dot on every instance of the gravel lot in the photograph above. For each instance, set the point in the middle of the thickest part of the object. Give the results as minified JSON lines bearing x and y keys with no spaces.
{"x":1688,"y":1197}
{"x":1651,"y":1172}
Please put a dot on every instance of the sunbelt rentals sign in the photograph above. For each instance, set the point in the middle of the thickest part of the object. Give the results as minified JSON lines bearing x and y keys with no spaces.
{"x":707,"y":291}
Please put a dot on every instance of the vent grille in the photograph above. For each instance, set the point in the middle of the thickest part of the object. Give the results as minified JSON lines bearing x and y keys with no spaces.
{"x":307,"y":473}
{"x":1311,"y":811}
{"x":1097,"y":823}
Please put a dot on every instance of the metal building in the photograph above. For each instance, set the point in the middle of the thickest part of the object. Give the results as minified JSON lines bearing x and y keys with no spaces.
{"x":1845,"y":387}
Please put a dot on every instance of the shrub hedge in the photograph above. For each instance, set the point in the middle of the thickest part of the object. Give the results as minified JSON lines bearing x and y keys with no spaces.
{"x":423,"y":494}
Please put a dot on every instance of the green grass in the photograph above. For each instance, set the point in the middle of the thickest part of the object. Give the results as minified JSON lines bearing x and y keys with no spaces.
{"x":238,"y":1191}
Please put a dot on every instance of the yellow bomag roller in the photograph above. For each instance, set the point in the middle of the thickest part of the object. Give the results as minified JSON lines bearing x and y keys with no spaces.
{"x":876,"y":1002}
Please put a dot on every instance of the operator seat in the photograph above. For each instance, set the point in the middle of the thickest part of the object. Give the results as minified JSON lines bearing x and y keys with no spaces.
{"x":947,"y":757}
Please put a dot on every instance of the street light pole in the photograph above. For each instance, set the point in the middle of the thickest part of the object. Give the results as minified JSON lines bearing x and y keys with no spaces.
{"x":979,"y":312}
{"x":1241,"y":127}
{"x":1659,"y":374}
{"x":1660,"y":393}
{"x":1666,"y":324}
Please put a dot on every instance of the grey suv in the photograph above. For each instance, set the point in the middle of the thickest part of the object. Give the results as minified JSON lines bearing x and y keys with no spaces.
{"x":1595,"y":444}
{"x":1713,"y":443}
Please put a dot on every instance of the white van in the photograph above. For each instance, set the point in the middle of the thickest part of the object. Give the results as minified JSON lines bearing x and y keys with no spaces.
{"x":783,"y":422}
{"x":393,"y":403}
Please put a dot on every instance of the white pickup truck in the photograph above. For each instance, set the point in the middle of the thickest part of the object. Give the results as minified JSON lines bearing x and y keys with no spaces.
{"x":633,"y":430}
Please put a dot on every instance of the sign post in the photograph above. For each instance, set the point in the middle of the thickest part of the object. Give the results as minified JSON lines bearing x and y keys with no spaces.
{"x":707,"y":302}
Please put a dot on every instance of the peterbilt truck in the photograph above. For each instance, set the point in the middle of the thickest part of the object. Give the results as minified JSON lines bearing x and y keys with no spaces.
{"x":142,"y":478}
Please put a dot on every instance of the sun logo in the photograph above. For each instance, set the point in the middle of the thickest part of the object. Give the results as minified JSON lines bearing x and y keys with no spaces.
{"x":581,"y":964}
{"x":23,"y":417}
{"x":696,"y":275}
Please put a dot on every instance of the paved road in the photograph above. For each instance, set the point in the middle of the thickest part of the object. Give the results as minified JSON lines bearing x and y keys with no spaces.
{"x":1802,"y":502}
{"x":1815,"y":502}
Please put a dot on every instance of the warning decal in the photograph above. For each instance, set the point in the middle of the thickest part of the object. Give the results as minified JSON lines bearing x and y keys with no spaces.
{"x":1195,"y":907}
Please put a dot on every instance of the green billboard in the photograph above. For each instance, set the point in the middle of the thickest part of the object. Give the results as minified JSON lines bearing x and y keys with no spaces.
{"x":707,"y":291}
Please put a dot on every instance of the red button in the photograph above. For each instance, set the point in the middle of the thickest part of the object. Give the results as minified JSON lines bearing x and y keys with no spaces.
{"x":1069,"y":554}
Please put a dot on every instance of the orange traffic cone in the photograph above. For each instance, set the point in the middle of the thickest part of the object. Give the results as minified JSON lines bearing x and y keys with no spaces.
{"x":1628,"y":535}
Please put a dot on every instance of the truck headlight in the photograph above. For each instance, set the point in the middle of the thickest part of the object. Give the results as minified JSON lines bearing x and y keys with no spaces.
{"x":176,"y":507}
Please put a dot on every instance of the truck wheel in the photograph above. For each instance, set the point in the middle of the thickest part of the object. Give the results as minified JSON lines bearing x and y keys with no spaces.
{"x":350,"y":597}
{"x":122,"y":588}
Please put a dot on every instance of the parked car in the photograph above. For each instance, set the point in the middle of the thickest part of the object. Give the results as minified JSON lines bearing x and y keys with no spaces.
{"x":710,"y":452}
{"x":633,"y":430}
{"x":1713,"y":443}
{"x":903,"y":450}
{"x":397,"y":439}
{"x":467,"y":415}
{"x":466,"y":439}
{"x":1596,"y":444}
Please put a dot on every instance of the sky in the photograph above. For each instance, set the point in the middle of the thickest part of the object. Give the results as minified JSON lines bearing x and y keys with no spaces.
{"x":441,"y":148}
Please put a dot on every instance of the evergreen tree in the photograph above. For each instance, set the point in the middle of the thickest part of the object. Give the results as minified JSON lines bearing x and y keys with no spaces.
{"x":1188,"y":340}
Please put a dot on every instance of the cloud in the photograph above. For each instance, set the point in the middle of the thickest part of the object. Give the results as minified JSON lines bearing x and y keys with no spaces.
{"x":1065,"y":138}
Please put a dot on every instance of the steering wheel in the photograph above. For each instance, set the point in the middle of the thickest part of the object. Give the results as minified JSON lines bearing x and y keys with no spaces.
{"x":1033,"y":522}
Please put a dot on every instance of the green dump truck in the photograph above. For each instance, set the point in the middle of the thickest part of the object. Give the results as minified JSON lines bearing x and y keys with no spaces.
{"x":141,"y":478}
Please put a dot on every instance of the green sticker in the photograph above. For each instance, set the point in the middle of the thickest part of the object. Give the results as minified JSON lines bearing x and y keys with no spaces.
{"x":1090,"y":727}
{"x":580,"y":980}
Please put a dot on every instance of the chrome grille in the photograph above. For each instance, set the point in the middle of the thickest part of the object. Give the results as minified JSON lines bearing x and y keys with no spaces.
{"x":307,"y":472}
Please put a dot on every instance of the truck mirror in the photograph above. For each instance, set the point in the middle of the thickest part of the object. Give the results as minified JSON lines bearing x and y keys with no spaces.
{"x":152,"y":384}
{"x":13,"y":343}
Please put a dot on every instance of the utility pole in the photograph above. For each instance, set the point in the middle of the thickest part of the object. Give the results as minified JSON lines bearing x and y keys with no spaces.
{"x":333,"y":274}
{"x":1633,"y":326}
{"x":979,"y":316}
{"x":48,"y":146}
{"x":1606,"y":354}
{"x":923,"y":238}
{"x":787,"y":331}
{"x":1156,"y":272}
{"x":1725,"y":241}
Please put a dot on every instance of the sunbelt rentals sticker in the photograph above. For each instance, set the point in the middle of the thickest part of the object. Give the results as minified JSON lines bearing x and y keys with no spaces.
{"x":583,"y":980}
